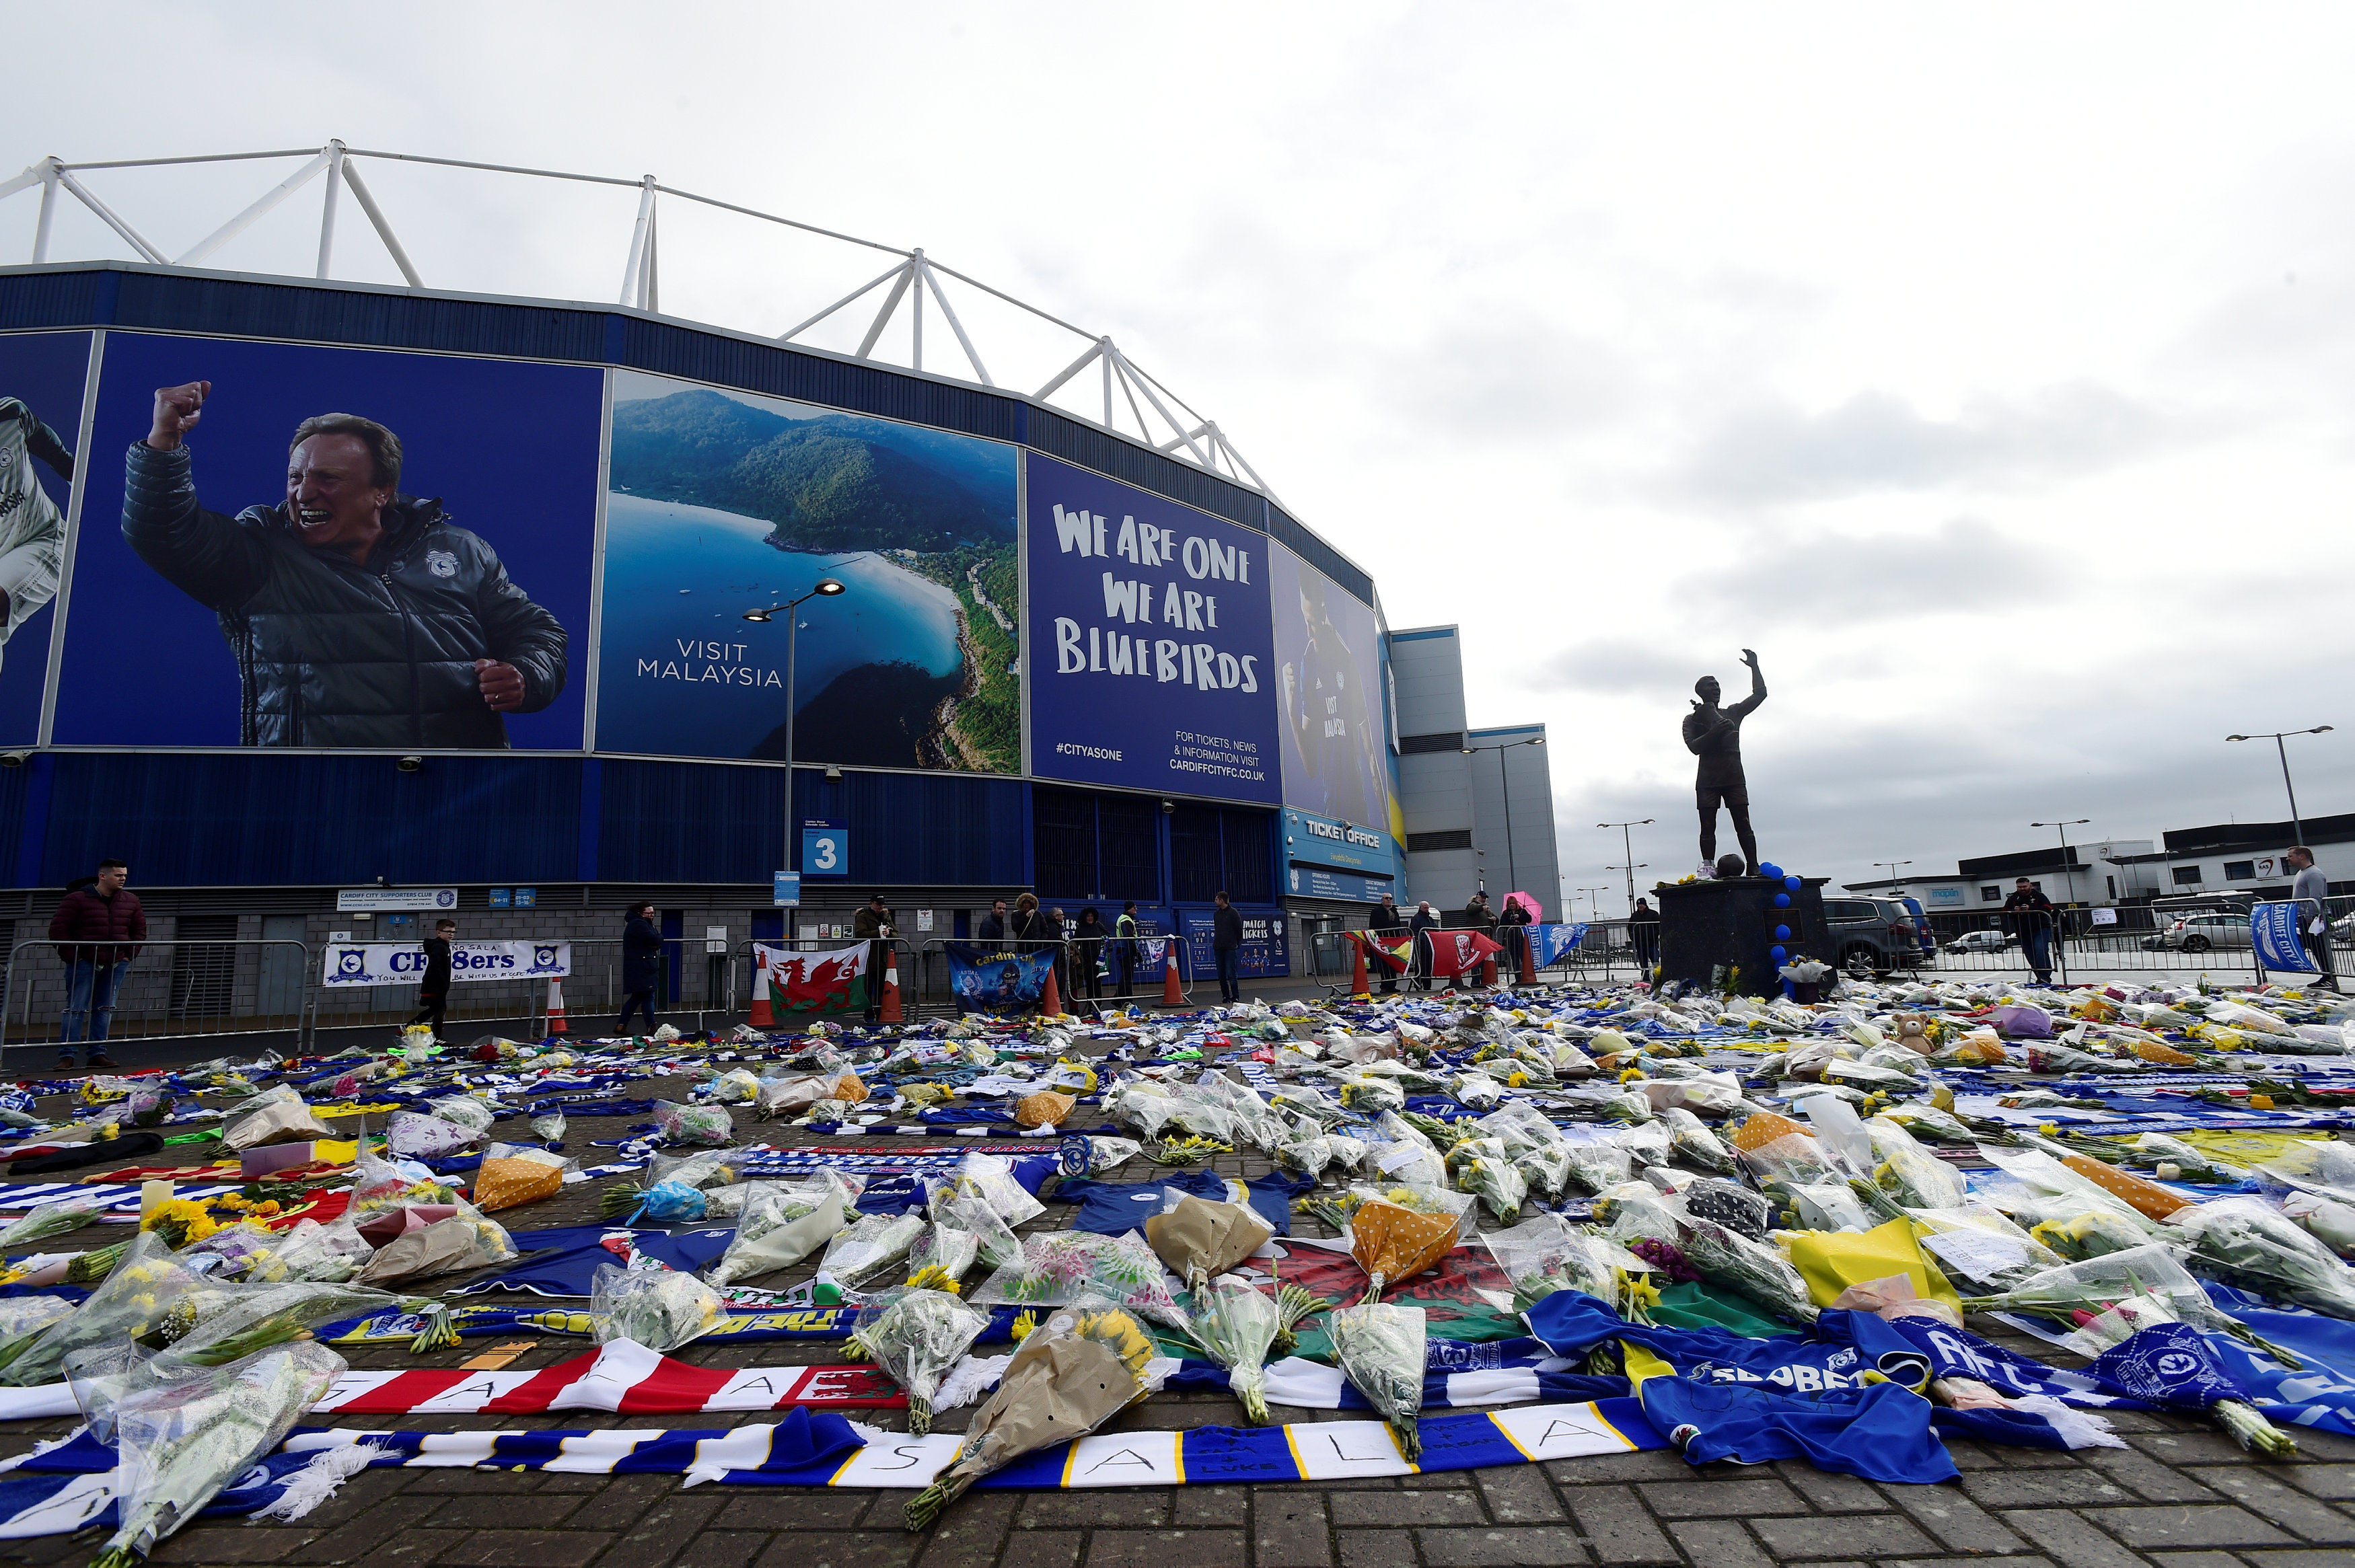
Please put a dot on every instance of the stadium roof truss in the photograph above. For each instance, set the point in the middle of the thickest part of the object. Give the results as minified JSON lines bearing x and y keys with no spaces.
{"x":1157,"y":415}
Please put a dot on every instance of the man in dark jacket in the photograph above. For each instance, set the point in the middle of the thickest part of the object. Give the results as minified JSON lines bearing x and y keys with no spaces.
{"x":642,"y":946}
{"x":1386,"y":922}
{"x":358,"y":616}
{"x":434,"y":987}
{"x":873,"y":925}
{"x":994,"y":926}
{"x":1643,"y":930}
{"x":1424,"y":920}
{"x":1227,"y":947}
{"x":97,"y":928}
{"x":2030,"y":915}
{"x":1510,"y":923}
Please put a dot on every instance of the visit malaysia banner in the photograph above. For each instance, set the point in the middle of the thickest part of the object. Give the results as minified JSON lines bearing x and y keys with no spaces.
{"x":1151,"y":655}
{"x":991,"y":980}
{"x":404,"y":963}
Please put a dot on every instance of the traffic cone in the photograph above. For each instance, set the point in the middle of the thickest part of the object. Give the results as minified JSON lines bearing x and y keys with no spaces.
{"x":556,"y":1024}
{"x":762,"y":1017}
{"x":1172,"y":994}
{"x":1489,"y":971}
{"x":890,"y":1014}
{"x":1358,"y":986}
{"x":1050,"y":1001}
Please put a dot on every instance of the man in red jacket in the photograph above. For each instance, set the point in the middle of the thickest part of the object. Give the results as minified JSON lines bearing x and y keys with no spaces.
{"x":97,"y":930}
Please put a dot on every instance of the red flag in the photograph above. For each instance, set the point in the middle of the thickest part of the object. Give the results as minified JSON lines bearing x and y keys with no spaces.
{"x":1457,"y":952}
{"x":1393,"y":959}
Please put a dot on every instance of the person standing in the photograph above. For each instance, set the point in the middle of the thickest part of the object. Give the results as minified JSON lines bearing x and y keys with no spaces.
{"x":2311,"y":893}
{"x":433,"y":988}
{"x":642,"y":946}
{"x":1643,"y":930}
{"x":91,"y":926}
{"x":2030,"y":915}
{"x":1123,"y":948}
{"x":993,"y":926}
{"x":873,"y":925}
{"x":1088,"y":953}
{"x":1227,"y":947}
{"x":1512,"y":931}
{"x":1387,"y":923}
{"x":1424,"y":923}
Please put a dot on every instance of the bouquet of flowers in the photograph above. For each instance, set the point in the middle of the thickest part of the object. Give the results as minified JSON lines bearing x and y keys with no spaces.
{"x":1597,"y":1168}
{"x":52,"y":1220}
{"x":990,"y":1179}
{"x":1381,"y":1349}
{"x":327,"y":1253}
{"x":1482,"y":1168}
{"x":1399,"y":1232}
{"x":1908,"y":1172}
{"x":873,"y":1245}
{"x":672,"y":1191}
{"x":1543,"y":1255}
{"x":1690,"y":1138}
{"x":181,"y":1441}
{"x":1237,"y":1324}
{"x":1748,"y":1268}
{"x":1647,"y":1146}
{"x":549,"y":1128}
{"x":1737,"y":1208}
{"x":144,"y":1286}
{"x":1199,"y":1239}
{"x":1777,"y":1148}
{"x":675,"y":1123}
{"x":916,"y":1336}
{"x":2244,"y":1242}
{"x":2096,"y":1284}
{"x":1065,"y":1266}
{"x":23,"y":1318}
{"x":661,"y":1308}
{"x":994,"y":1240}
{"x":1072,"y":1372}
{"x":780,"y":1225}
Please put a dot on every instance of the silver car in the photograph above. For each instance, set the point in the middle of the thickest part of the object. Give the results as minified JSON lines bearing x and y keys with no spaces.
{"x":2198,"y":933}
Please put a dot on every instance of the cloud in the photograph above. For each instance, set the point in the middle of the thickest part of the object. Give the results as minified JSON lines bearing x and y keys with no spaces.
{"x":1954,"y":569}
{"x":1774,"y":451}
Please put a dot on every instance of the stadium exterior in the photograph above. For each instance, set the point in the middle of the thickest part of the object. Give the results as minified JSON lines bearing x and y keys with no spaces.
{"x":231,"y":836}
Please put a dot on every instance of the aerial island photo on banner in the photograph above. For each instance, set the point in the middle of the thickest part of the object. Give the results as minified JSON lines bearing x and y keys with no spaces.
{"x":718,"y":503}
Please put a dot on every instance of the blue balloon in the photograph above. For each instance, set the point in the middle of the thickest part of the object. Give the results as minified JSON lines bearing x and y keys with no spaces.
{"x":1792,"y":883}
{"x":1780,"y":954}
{"x":1781,"y":933}
{"x":1782,"y":901}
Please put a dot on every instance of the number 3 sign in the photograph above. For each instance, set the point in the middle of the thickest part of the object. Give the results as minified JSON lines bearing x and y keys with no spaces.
{"x":826,"y":848}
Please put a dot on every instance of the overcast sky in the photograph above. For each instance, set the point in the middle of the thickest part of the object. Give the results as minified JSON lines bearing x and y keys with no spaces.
{"x":1986,"y":368}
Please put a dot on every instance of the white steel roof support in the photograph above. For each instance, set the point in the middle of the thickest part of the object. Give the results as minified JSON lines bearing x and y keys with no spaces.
{"x":634,"y":287}
{"x":254,"y":214}
{"x":327,"y":207}
{"x":915,"y":273}
{"x":890,"y":304}
{"x":106,"y":214}
{"x":48,"y":210}
{"x":383,"y":229}
{"x":957,"y":326}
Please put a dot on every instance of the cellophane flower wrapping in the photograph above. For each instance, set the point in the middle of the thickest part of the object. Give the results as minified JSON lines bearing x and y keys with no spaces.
{"x":1065,"y":1267}
{"x":2091,"y":1286}
{"x":990,"y":1179}
{"x":997,"y":1245}
{"x":147,"y":1286}
{"x":1199,"y":1237}
{"x":779,"y":1225}
{"x":24,"y":1319}
{"x":276,"y":1115}
{"x":241,"y":1248}
{"x":661,"y":1308}
{"x":871,"y":1247}
{"x":1072,"y":1372}
{"x":308,"y":1250}
{"x":1693,"y":1142}
{"x":1379,"y":1349}
{"x":1908,"y":1172}
{"x":943,"y":1254}
{"x":53,"y":1220}
{"x":1483,"y":1170}
{"x":1544,"y":1255}
{"x":1237,"y":1324}
{"x":414,"y":1137}
{"x":679,"y":1124}
{"x":2246,"y":1242}
{"x":1399,"y":1232}
{"x":1748,"y":1268}
{"x":1597,"y":1168}
{"x":378,"y":1186}
{"x":511,"y":1174}
{"x":181,"y":1441}
{"x":549,"y":1128}
{"x":916,"y":1336}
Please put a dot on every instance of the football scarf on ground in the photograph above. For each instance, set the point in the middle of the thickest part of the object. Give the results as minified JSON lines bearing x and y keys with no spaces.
{"x":470,"y":1322}
{"x":71,"y":1486}
{"x":1115,"y":1208}
{"x":789,"y":981}
{"x":2168,"y":1366}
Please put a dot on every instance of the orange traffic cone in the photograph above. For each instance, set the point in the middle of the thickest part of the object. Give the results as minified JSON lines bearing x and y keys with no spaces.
{"x":1172,"y":994}
{"x":1489,"y":971}
{"x":1050,"y":1001}
{"x":762,"y":1018}
{"x":556,"y":1024}
{"x":891,"y":1012}
{"x":1358,"y":986}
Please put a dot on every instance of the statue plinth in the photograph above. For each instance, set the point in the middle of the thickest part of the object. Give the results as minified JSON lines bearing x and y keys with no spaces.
{"x":1709,"y":925}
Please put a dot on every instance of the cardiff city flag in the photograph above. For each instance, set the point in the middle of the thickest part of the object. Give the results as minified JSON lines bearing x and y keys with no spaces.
{"x":1458,"y":952}
{"x":790,"y":981}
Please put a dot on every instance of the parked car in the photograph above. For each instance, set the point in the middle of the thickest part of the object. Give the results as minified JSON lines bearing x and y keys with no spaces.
{"x":2212,"y":928}
{"x":2342,"y":931}
{"x":1987,"y":941}
{"x":1870,"y":936}
{"x":1921,"y":926}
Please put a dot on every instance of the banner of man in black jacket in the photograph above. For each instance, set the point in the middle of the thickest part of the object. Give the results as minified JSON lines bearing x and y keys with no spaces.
{"x":290,"y":498}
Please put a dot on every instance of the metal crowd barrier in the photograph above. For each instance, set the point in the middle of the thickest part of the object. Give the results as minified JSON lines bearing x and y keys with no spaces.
{"x":174,"y":988}
{"x":742,"y":967}
{"x":1146,"y":982}
{"x":1608,"y":952}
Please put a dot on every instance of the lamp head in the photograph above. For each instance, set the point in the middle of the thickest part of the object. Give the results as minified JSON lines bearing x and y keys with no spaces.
{"x":2237,"y":738}
{"x":2320,"y":729}
{"x":762,"y":615}
{"x":827,"y":587}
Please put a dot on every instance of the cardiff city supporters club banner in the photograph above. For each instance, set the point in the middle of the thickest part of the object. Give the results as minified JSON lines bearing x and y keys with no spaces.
{"x":987,"y":980}
{"x":790,"y":981}
{"x":1552,"y":944}
{"x":404,"y":963}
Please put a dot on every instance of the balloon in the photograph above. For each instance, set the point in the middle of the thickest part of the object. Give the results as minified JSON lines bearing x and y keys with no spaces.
{"x":1779,"y":954}
{"x":1792,"y":883}
{"x":1782,"y":901}
{"x":1781,"y":933}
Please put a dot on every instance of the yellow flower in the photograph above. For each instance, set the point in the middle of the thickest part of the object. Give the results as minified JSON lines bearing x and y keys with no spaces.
{"x":1023,"y":1325}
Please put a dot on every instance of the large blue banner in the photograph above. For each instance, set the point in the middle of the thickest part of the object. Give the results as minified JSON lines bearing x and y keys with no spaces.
{"x":1328,"y":683}
{"x":1152,"y":659}
{"x":41,"y":376}
{"x":1553,"y":943}
{"x":2273,"y":928}
{"x":991,"y":980}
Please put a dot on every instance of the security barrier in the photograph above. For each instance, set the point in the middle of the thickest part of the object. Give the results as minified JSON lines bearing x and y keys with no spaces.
{"x":742,"y":990}
{"x":172,"y":987}
{"x":1148,"y":981}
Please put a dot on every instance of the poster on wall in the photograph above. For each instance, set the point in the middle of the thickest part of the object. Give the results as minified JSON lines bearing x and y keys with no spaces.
{"x":41,"y":379}
{"x":1155,"y":668}
{"x":331,"y":547}
{"x":723,"y":501}
{"x":1328,"y":684}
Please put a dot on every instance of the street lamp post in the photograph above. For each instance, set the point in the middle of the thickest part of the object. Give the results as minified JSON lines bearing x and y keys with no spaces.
{"x":1631,"y":870}
{"x":2297,"y":828}
{"x":2067,"y":870}
{"x":1893,"y":866}
{"x":1628,"y":865}
{"x":1594,"y":910}
{"x":1504,"y":778}
{"x":825,"y":587}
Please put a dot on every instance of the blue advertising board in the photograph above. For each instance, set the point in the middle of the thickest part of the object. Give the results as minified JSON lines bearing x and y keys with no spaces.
{"x":1316,"y":882}
{"x":786,"y":888}
{"x":1263,"y":949}
{"x":1151,"y":655}
{"x":41,"y":379}
{"x":2272,"y":930}
{"x":826,"y":847}
{"x":1313,"y":839}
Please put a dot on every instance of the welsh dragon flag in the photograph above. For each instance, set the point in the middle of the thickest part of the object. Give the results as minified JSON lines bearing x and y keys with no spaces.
{"x":1392,"y":954}
{"x":790,"y":981}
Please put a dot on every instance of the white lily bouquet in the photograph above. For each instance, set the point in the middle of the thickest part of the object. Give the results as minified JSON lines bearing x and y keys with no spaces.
{"x":916,"y":1336}
{"x":1237,"y":1324}
{"x":1381,"y":1349}
{"x":660,"y":1308}
{"x":779,"y":1225}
